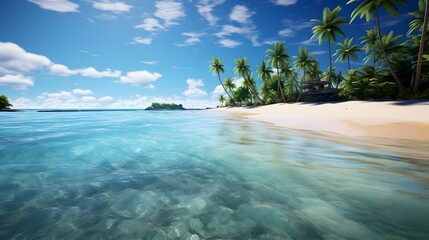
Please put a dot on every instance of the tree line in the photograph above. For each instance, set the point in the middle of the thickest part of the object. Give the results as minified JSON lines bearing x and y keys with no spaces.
{"x":392,"y":68}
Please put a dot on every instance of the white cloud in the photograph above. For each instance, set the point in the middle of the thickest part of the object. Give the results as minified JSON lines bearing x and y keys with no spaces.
{"x":106,"y":17}
{"x":57,"y":5}
{"x":309,"y":42}
{"x":194,"y":38}
{"x":115,"y":7}
{"x":229,"y":43}
{"x":249,"y":31}
{"x":149,"y":62}
{"x":61,"y":70}
{"x":150,"y":24}
{"x":169,"y":11}
{"x":140,"y":78}
{"x":141,"y":40}
{"x":193,"y":90}
{"x":205,"y":9}
{"x":285,"y":2}
{"x":106,"y":99}
{"x":318,"y":52}
{"x":89,"y":99}
{"x":218,"y":91}
{"x":15,"y":60}
{"x":78,"y":91}
{"x":293,"y":26}
{"x":59,"y":95}
{"x":92,"y":72}
{"x":18,"y":82}
{"x":241,"y":14}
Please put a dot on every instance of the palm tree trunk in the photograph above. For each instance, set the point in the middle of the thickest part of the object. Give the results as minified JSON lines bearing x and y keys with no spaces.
{"x":421,"y":49}
{"x":330,"y":59}
{"x":300,"y":87}
{"x":235,"y":102}
{"x":247,"y":78}
{"x":279,"y":86}
{"x":348,"y":61}
{"x":400,"y":86}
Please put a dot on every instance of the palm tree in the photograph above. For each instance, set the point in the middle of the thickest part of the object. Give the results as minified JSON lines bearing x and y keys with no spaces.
{"x":304,"y":61}
{"x":221,"y":99}
{"x":390,"y":48}
{"x":420,"y":23}
{"x":370,"y":7}
{"x":328,"y":28}
{"x":217,"y":67}
{"x":264,"y":71}
{"x":229,"y":84}
{"x":278,"y":58}
{"x":370,"y":40}
{"x":242,"y":69}
{"x":346,"y":51}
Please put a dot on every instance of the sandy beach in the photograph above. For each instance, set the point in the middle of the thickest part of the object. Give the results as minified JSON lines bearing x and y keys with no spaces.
{"x":389,"y":119}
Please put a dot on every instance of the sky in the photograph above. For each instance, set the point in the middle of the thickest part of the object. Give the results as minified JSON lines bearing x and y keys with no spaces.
{"x":130,"y":53}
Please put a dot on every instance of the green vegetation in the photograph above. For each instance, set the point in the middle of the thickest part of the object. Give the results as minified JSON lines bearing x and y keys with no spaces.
{"x":4,"y":102}
{"x":394,"y":66}
{"x":165,"y":106}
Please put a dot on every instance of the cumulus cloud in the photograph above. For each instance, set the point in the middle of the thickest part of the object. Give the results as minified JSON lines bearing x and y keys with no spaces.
{"x":92,"y":72}
{"x":61,"y":70}
{"x":78,"y":91}
{"x":169,"y":11}
{"x":241,"y":14}
{"x":57,"y":5}
{"x":193,"y":90}
{"x":17,"y":82}
{"x":229,"y":43}
{"x":15,"y":60}
{"x":218,"y":91}
{"x":140,"y":78}
{"x":60,"y":95}
{"x":285,"y":2}
{"x":116,"y":7}
{"x":205,"y":9}
{"x":89,"y":99}
{"x":150,"y":24}
{"x":106,"y":99}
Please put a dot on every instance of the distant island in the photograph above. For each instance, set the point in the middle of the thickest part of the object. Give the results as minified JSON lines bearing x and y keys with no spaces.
{"x":165,"y":106}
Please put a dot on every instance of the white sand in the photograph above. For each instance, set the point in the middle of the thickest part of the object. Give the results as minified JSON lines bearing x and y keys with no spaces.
{"x":397,"y":120}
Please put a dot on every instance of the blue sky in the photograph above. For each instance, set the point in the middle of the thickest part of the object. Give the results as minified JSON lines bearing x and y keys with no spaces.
{"x":129,"y":53}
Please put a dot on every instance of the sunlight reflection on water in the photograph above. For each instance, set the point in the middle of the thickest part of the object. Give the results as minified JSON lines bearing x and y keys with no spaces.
{"x":189,"y":175}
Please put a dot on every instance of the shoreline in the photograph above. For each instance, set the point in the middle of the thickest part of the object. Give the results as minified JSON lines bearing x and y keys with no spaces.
{"x":408,"y":120}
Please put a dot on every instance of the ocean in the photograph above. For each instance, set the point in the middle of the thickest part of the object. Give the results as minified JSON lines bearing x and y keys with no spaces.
{"x":199,"y":175}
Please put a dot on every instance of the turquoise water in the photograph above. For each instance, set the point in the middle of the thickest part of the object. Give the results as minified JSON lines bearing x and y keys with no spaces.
{"x":192,"y":175}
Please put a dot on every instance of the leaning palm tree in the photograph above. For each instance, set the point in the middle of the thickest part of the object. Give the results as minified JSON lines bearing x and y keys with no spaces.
{"x":230,"y":85}
{"x":370,"y":40}
{"x":242,"y":69}
{"x":367,"y":9}
{"x":304,"y":61}
{"x":328,"y":28}
{"x":217,"y":67}
{"x":347,"y":51}
{"x":420,"y":23}
{"x":279,"y":59}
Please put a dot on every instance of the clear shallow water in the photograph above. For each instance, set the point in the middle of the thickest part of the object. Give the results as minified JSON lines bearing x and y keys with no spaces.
{"x":189,"y":175}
